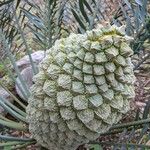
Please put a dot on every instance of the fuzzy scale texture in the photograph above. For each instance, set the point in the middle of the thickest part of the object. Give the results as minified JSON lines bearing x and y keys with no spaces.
{"x":84,"y":86}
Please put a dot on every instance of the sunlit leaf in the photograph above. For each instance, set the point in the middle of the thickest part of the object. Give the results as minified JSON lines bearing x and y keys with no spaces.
{"x":139,"y":2}
{"x":78,"y":19}
{"x":84,"y":13}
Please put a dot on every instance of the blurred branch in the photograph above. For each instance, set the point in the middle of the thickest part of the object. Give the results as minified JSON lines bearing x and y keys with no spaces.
{"x":133,"y":123}
{"x":120,"y":144}
{"x":10,"y":138}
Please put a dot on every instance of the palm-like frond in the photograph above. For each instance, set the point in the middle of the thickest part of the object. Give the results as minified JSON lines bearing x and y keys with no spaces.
{"x":8,"y":25}
{"x":133,"y":14}
{"x":47,"y":24}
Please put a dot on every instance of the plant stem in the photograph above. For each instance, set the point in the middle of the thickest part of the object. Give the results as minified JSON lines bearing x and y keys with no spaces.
{"x":13,"y":96}
{"x":112,"y":132}
{"x":9,"y":144}
{"x":13,"y":61}
{"x":23,"y":145}
{"x":24,"y":41}
{"x":16,"y":109}
{"x":14,"y":125}
{"x":9,"y":138}
{"x":120,"y":144}
{"x":4,"y":118}
{"x":133,"y":123}
{"x":11,"y":111}
{"x":146,"y":110}
{"x":49,"y":19}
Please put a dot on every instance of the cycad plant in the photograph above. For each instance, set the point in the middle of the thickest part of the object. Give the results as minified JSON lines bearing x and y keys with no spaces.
{"x":84,"y":84}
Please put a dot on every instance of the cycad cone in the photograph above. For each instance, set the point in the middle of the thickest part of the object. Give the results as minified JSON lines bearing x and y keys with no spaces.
{"x":84,"y":85}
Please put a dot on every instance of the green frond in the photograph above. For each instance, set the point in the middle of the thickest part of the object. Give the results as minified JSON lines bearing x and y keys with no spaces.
{"x":13,"y":61}
{"x":13,"y":125}
{"x":15,"y":112}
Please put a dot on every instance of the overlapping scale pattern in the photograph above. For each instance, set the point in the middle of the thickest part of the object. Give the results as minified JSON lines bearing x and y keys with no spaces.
{"x":84,"y":85}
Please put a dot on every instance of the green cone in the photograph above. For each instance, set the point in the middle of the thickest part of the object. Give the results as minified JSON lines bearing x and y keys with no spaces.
{"x":84,"y":86}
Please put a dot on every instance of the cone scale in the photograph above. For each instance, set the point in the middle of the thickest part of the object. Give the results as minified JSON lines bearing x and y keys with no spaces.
{"x":84,"y":86}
